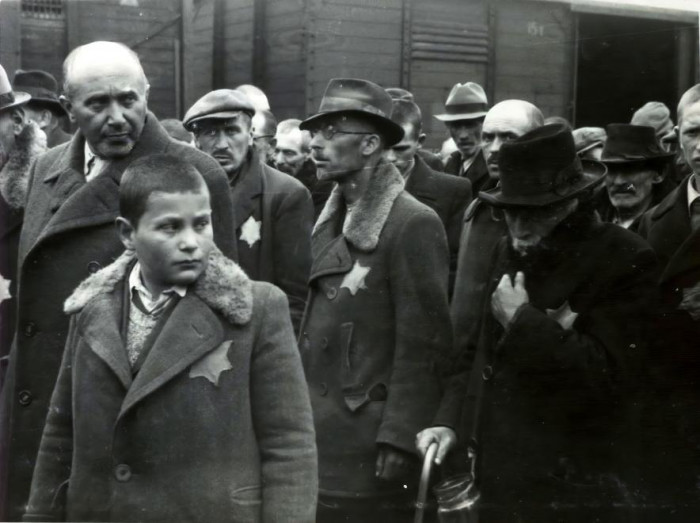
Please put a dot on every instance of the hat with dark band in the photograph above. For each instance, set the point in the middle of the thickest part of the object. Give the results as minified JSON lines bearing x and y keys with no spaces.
{"x":221,"y":104}
{"x":465,"y":102}
{"x":41,"y":86}
{"x":629,"y":143}
{"x":8,"y":97}
{"x":541,"y":168}
{"x":362,"y":98}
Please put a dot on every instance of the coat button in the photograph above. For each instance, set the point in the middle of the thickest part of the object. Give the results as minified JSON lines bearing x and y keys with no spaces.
{"x":122,"y":472}
{"x":93,"y":267}
{"x":487,"y":373}
{"x":324,"y":389}
{"x":30,"y":329}
{"x":331,"y":293}
{"x":25,"y":397}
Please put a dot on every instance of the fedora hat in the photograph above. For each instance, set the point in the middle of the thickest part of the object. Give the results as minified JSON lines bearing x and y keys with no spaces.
{"x":8,"y":97}
{"x":465,"y":102}
{"x":541,"y":168}
{"x":40,"y":85}
{"x":629,"y":143}
{"x":220,"y":104}
{"x":359,"y":97}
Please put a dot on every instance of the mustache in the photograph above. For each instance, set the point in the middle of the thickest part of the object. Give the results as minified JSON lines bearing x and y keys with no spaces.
{"x":624,"y":189}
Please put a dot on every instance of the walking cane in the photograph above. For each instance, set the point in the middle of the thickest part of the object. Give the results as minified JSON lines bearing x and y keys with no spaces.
{"x":424,"y":482}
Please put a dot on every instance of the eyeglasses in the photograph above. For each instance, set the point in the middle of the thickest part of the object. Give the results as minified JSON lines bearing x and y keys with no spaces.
{"x":263,"y":136}
{"x":328,"y":132}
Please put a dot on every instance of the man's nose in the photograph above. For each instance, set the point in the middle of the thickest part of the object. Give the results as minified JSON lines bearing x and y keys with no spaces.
{"x":390,"y":155}
{"x":115,"y":116}
{"x":220,"y":141}
{"x":279,"y":158}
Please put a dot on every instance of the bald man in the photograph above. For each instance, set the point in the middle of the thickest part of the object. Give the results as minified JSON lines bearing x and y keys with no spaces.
{"x":68,"y":234}
{"x":483,"y":228}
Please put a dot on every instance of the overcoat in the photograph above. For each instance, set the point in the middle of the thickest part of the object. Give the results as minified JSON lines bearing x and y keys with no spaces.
{"x":274,"y":217}
{"x":215,"y":426}
{"x":677,"y":358}
{"x":68,"y":233}
{"x":447,"y":195}
{"x":557,"y":384}
{"x":374,"y":332}
{"x":477,"y":173}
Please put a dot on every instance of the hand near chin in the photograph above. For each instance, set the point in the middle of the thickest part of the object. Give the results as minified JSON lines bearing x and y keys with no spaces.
{"x":508,"y":297}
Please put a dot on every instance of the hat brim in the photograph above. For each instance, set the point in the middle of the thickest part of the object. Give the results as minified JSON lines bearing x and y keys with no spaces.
{"x":593,"y":174}
{"x":48,"y":101}
{"x":391,"y":131}
{"x":457,"y":117}
{"x":20,"y":99}
{"x":655,"y":158}
{"x":590,"y":146}
{"x":223,"y":115}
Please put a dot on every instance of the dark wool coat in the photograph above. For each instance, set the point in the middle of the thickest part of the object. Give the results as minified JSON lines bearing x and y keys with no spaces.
{"x":280,"y":252}
{"x":477,"y":173}
{"x":215,"y":426}
{"x":57,"y":137}
{"x":68,"y":233}
{"x":374,"y":331}
{"x":432,"y":160}
{"x":677,"y":358}
{"x":556,"y":381}
{"x":447,"y":195}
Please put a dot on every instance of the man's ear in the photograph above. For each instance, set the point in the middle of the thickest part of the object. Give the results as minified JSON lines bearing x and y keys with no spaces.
{"x":659,"y":175}
{"x":147,"y":91}
{"x":421,"y":139}
{"x":370,"y":144}
{"x":68,"y":106}
{"x":19,"y":120}
{"x":126,"y":233}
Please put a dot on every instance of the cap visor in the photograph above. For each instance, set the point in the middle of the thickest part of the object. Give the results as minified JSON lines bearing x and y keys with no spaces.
{"x":456,"y":117}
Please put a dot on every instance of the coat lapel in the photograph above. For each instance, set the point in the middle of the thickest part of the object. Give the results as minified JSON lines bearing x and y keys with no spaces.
{"x":674,"y":240}
{"x":333,"y":258}
{"x":246,"y":196}
{"x":417,"y":183}
{"x":192,"y":331}
{"x":104,"y":336}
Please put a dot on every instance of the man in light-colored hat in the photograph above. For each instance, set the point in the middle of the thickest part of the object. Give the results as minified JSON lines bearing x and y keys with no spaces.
{"x":45,"y":107}
{"x":376,"y":327}
{"x":68,"y":234}
{"x":274,"y":212}
{"x":465,"y":109}
{"x":658,"y":116}
{"x":589,"y":142}
{"x":21,"y":141}
{"x":558,"y":346}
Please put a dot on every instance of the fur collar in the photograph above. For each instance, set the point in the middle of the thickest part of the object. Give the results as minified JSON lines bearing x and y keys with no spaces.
{"x":364,"y":225}
{"x":14,"y":176}
{"x":224,"y":287}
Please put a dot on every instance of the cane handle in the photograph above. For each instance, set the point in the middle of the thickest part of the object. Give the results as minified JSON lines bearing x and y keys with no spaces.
{"x":424,"y":481}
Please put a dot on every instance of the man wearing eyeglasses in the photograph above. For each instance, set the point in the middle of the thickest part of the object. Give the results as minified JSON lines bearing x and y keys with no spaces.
{"x":264,"y":131}
{"x":376,"y":329}
{"x":274,"y":212}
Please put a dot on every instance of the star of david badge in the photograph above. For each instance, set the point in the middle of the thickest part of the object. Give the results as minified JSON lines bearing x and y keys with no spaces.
{"x":4,"y":289}
{"x":691,"y":301}
{"x":355,"y":279}
{"x":564,"y":316}
{"x":250,"y":231}
{"x":213,"y":364}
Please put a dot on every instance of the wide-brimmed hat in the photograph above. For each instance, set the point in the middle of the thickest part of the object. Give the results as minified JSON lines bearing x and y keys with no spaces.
{"x":541,"y":168}
{"x":218,"y":105}
{"x":40,"y":85}
{"x":359,"y":97}
{"x":629,"y":143}
{"x":656,"y":115}
{"x":465,"y":102}
{"x":8,"y":97}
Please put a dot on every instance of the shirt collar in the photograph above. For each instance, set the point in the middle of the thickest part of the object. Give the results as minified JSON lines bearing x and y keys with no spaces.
{"x":410,"y":169}
{"x":136,"y":284}
{"x":88,"y":155}
{"x":692,"y":191}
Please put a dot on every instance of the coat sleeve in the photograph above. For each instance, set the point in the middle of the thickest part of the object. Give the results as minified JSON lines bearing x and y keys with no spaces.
{"x":282,"y":418}
{"x":53,"y":466}
{"x":418,"y":280}
{"x":604,"y":347}
{"x":294,"y":220}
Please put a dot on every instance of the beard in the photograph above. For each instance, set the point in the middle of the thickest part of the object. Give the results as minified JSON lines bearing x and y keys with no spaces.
{"x":14,"y":176}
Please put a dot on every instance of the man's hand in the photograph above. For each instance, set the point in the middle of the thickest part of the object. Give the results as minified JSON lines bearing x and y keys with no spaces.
{"x":392,"y":463}
{"x":507,"y":298}
{"x":445,"y":437}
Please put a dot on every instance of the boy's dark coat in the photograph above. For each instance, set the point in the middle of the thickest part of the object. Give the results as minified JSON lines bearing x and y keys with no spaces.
{"x":556,"y":400}
{"x":370,"y":341}
{"x":283,"y":254}
{"x":68,"y":233}
{"x":216,"y":425}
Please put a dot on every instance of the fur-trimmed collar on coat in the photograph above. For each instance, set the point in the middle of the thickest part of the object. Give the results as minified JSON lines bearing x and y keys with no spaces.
{"x":224,"y":287}
{"x":364,"y":225}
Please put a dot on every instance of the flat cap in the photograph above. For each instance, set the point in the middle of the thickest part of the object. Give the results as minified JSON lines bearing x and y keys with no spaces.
{"x":656,"y":115}
{"x":219,"y":104}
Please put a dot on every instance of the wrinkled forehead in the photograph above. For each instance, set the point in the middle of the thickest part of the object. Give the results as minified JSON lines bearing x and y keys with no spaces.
{"x":119,"y":76}
{"x":292,"y":139}
{"x":510,"y":119}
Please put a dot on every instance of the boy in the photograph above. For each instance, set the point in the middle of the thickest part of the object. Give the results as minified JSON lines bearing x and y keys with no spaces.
{"x":181,"y":395}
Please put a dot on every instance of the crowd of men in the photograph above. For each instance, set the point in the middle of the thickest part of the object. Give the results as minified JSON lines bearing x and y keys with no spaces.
{"x":528,"y":300}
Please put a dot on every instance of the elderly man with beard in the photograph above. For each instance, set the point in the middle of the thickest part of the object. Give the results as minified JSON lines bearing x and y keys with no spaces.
{"x":20,"y":144}
{"x":636,"y":179}
{"x":376,"y":330}
{"x":293,"y":157}
{"x":68,"y":233}
{"x":274,"y":212}
{"x":558,"y":347}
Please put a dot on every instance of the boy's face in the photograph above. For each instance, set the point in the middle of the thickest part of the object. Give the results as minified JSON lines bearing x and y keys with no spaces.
{"x":173,"y":238}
